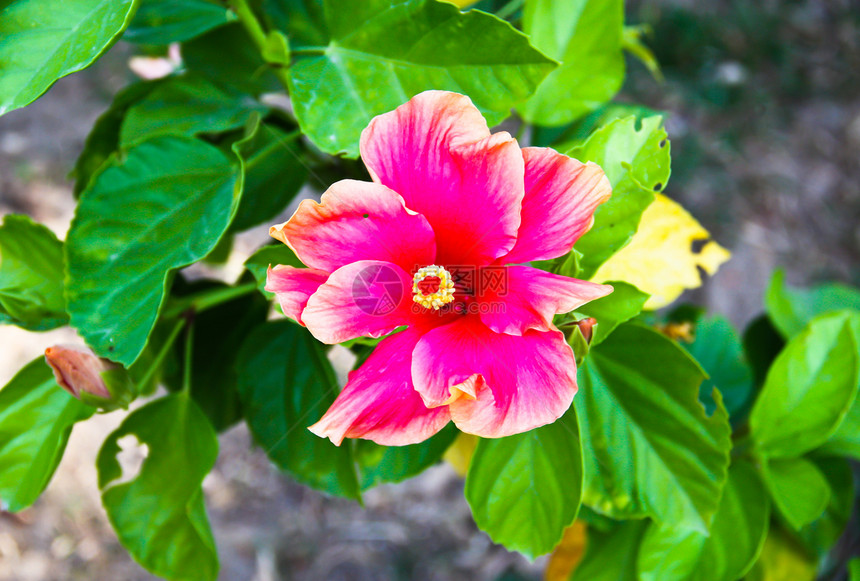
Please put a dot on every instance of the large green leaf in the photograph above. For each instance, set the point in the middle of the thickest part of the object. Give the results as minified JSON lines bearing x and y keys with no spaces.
{"x":611,"y":555}
{"x":286,"y":384}
{"x":158,"y":513}
{"x":791,"y":309}
{"x":163,"y":206}
{"x":379,"y":53}
{"x":31,"y":275}
{"x":526,"y":489}
{"x":736,"y":538}
{"x":378,"y":464}
{"x":186,"y":105}
{"x":810,"y":387}
{"x":44,"y":40}
{"x":717,"y":347}
{"x":586,"y":36}
{"x":274,"y":174}
{"x":636,"y":158}
{"x":36,"y":419}
{"x":798,"y":488}
{"x":166,"y":21}
{"x":624,"y":303}
{"x":644,"y":432}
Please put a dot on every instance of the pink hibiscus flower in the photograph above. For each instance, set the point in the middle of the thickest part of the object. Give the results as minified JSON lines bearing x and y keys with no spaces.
{"x":433,"y":244}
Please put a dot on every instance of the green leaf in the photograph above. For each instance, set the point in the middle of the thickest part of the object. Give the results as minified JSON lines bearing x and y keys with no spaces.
{"x":644,"y":432}
{"x":822,"y":534}
{"x":186,"y":105}
{"x":736,"y":538}
{"x":270,"y":255}
{"x":244,"y":70}
{"x":524,"y":490}
{"x":810,"y":387}
{"x":586,"y":36}
{"x":611,"y":555}
{"x":632,"y":42}
{"x":286,"y":384}
{"x":791,"y":309}
{"x":166,"y":21}
{"x":163,"y":206}
{"x":378,"y":464}
{"x":103,"y":139}
{"x":798,"y":489}
{"x":380,"y":53}
{"x":717,"y":347}
{"x":635,"y":156}
{"x":158,"y":513}
{"x":31,"y":275}
{"x":782,"y":559}
{"x":274,"y":174}
{"x":43,"y":40}
{"x":624,"y":303}
{"x":277,"y":49}
{"x":854,"y":569}
{"x":36,"y":419}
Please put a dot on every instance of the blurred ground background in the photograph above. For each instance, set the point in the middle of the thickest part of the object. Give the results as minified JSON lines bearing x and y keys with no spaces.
{"x":763,"y":106}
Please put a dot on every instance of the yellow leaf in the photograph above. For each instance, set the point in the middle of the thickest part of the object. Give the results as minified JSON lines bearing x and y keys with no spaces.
{"x":781,"y":559}
{"x":459,"y":454}
{"x":662,"y":258}
{"x":567,"y":555}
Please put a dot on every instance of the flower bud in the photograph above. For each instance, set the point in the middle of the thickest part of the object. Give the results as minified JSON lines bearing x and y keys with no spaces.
{"x":93,"y":380}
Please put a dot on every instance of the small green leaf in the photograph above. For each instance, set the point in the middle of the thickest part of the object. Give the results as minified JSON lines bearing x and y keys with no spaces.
{"x":286,"y":384}
{"x":379,"y":53}
{"x":525,"y":489}
{"x":736,"y":537}
{"x":585,"y":35}
{"x":798,"y":489}
{"x":36,"y":419}
{"x":378,"y":464}
{"x":810,"y":387}
{"x":635,"y":156}
{"x":791,"y":309}
{"x":277,"y":49}
{"x":164,"y":206}
{"x":271,"y":254}
{"x":822,"y":534}
{"x":717,"y":347}
{"x":186,"y":105}
{"x":644,"y":432}
{"x":158,"y":513}
{"x":166,"y":21}
{"x":44,"y":40}
{"x":632,"y":41}
{"x":274,"y":174}
{"x":621,"y":305}
{"x":31,"y":275}
{"x":611,"y":555}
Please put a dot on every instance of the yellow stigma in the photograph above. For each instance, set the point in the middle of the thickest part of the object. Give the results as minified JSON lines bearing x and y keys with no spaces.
{"x":437,"y":297}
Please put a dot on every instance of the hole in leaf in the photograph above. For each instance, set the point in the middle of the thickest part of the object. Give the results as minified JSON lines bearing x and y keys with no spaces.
{"x":662,"y":143}
{"x":658,"y":186}
{"x":696,"y":246}
{"x":131,"y":457}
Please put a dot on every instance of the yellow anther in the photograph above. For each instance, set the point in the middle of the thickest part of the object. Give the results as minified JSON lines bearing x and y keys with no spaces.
{"x":432,"y":287}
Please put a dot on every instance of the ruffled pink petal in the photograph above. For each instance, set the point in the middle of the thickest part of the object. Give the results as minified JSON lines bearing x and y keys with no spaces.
{"x":518,"y":382}
{"x":357,"y":221}
{"x":379,"y":402}
{"x":367,"y":298}
{"x":293,"y":287}
{"x":437,"y":152}
{"x":561,"y":196}
{"x":530,"y":297}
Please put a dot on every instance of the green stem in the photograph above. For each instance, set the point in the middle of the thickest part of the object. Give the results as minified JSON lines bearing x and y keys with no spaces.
{"x":308,"y":51}
{"x":189,"y":350}
{"x":156,"y":364}
{"x":509,"y":8}
{"x":208,"y":299}
{"x":258,"y":35}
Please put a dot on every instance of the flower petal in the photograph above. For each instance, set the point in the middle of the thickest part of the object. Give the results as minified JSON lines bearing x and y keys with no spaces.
{"x":357,"y":221}
{"x":519,"y":382}
{"x":379,"y":402}
{"x":561,"y":195}
{"x":366,"y":298}
{"x":293,"y":287}
{"x":530,"y":297}
{"x":437,"y":152}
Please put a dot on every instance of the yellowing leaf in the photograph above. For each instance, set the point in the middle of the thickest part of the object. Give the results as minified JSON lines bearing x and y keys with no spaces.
{"x":781,"y":559}
{"x":459,"y":454}
{"x":663,"y":256}
{"x":567,"y":555}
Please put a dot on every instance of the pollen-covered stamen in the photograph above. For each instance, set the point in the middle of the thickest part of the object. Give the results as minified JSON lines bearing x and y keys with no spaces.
{"x":432,"y":287}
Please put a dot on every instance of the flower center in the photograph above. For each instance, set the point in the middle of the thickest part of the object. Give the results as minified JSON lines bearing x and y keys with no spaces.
{"x":432,"y":287}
